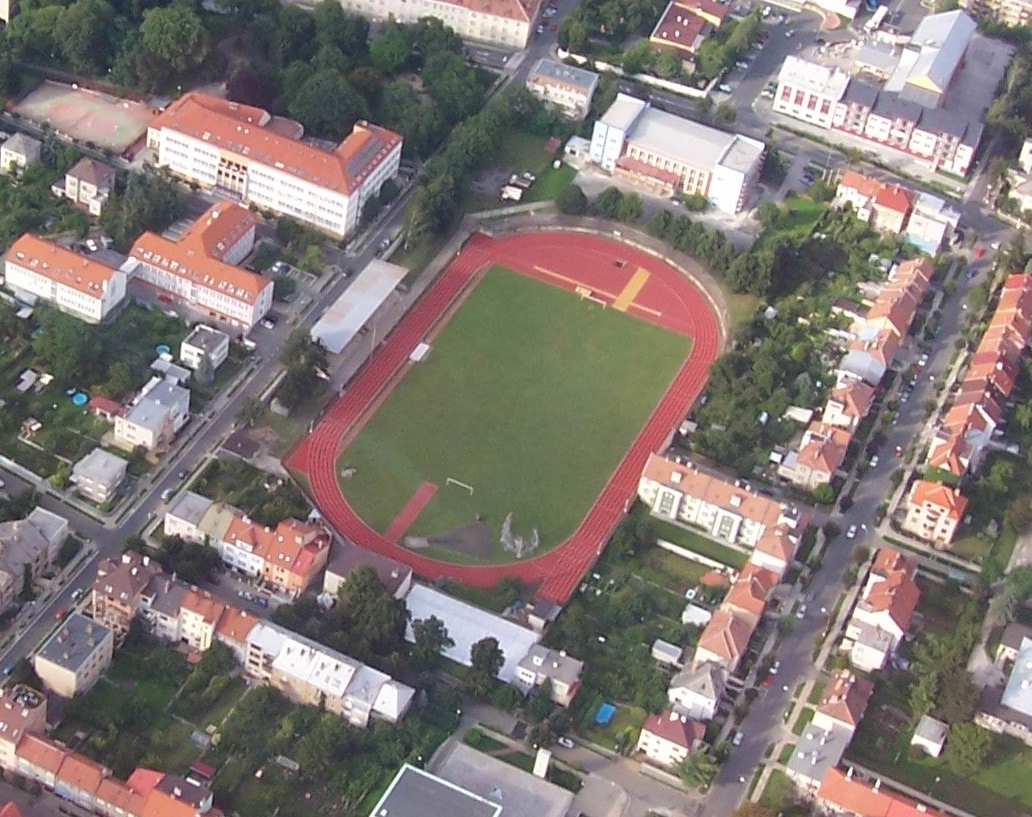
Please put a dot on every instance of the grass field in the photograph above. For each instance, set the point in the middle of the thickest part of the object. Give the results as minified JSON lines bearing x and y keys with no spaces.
{"x":530,"y":395}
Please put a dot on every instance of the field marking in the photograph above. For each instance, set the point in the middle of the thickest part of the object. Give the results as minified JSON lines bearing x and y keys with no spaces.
{"x":408,"y":514}
{"x":631,"y":289}
{"x":580,"y":286}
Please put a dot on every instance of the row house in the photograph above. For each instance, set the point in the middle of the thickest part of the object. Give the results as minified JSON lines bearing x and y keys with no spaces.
{"x":821,"y":453}
{"x":883,"y":612}
{"x":200,"y":272}
{"x":886,"y":207}
{"x":934,"y":511}
{"x":844,"y":793}
{"x":289,"y":556}
{"x":243,"y":151}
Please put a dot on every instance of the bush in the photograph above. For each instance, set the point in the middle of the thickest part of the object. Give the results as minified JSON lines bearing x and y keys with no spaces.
{"x":474,"y":737}
{"x":572,"y":201}
{"x":284,"y":287}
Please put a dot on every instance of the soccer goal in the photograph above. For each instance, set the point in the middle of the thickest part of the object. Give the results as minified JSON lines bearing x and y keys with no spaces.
{"x":586,"y":295}
{"x":460,"y":484}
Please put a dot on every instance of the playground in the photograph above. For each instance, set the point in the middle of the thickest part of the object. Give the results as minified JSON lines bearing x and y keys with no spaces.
{"x":557,"y":362}
{"x":86,"y":116}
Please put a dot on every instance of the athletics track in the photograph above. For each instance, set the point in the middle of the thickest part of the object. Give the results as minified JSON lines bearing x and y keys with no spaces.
{"x":612,"y":271}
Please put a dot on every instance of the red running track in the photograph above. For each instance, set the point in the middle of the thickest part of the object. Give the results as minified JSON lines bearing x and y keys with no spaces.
{"x":605,"y":266}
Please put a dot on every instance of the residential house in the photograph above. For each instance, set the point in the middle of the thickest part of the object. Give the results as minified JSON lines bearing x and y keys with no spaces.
{"x":28,"y":546}
{"x":869,"y":355}
{"x":727,"y":511}
{"x":35,"y":268}
{"x":99,"y":475}
{"x":932,"y":223}
{"x":697,"y":691}
{"x":882,"y":614}
{"x":1007,"y":709}
{"x":40,"y":759}
{"x":346,"y":556}
{"x":204,"y":342}
{"x":669,"y":737}
{"x":78,"y":779}
{"x":289,"y":556}
{"x":88,"y":184}
{"x":819,"y":458}
{"x":243,"y":151}
{"x":75,"y":656}
{"x":19,"y":152}
{"x":934,"y":511}
{"x":1010,"y":643}
{"x":198,"y":618}
{"x":541,"y":664}
{"x":120,"y":589}
{"x":1015,"y":13}
{"x":747,"y":598}
{"x":930,"y":735}
{"x":162,"y":610}
{"x":824,"y":739}
{"x":23,"y":711}
{"x":724,"y":640}
{"x":564,"y":87}
{"x":685,"y":25}
{"x":886,"y":207}
{"x":848,"y":404}
{"x":671,"y":155}
{"x":843,"y":793}
{"x":809,"y":91}
{"x":157,"y":414}
{"x":186,"y":517}
{"x":233,"y":628}
{"x":199,"y":270}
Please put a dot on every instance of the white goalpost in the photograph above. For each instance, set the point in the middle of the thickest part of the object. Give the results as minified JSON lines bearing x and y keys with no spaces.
{"x":587,"y":296}
{"x":459,"y":483}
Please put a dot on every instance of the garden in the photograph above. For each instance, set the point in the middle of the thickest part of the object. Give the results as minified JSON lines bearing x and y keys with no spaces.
{"x":265,"y":498}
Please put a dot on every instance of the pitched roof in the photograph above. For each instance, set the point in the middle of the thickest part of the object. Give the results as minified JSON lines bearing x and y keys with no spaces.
{"x":119,"y":795}
{"x":845,"y":698}
{"x":707,"y":680}
{"x":750,"y":591}
{"x":347,"y":556}
{"x":64,"y":267}
{"x":235,"y":624}
{"x":863,"y":799}
{"x":675,"y":728}
{"x":92,"y":172}
{"x":951,"y":500}
{"x":41,"y":752}
{"x":203,"y":604}
{"x":726,"y":635}
{"x":142,"y":779}
{"x":79,"y":772}
{"x":855,"y":398}
{"x":245,"y":131}
{"x":679,"y":28}
{"x":292,"y":544}
{"x":824,"y":447}
{"x":891,"y":586}
{"x":777,"y":543}
{"x":10,"y":809}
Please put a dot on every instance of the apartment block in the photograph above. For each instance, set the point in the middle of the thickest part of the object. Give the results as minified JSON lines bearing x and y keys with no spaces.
{"x":89,"y":290}
{"x":1009,"y":12}
{"x":75,"y":656}
{"x":564,"y":87}
{"x":243,"y":151}
{"x":934,"y":511}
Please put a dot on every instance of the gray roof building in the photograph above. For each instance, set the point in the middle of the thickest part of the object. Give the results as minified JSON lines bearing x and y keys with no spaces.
{"x":172,"y":372}
{"x":1017,"y":695}
{"x":99,"y":474}
{"x":153,"y":409}
{"x":556,"y":666}
{"x":75,"y":656}
{"x":190,"y":507}
{"x":74,"y":641}
{"x":346,"y":556}
{"x":566,"y":74}
{"x":417,"y":793}
{"x":817,"y":751}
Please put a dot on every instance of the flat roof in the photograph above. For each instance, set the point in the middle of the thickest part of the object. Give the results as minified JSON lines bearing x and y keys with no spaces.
{"x":467,"y":625}
{"x":669,"y":135}
{"x":74,"y":641}
{"x":341,"y":322}
{"x":417,"y":793}
{"x":624,"y":111}
{"x":814,"y":77}
{"x":566,"y":74}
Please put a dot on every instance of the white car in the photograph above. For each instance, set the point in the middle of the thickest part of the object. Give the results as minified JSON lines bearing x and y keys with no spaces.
{"x":737,"y":739}
{"x":851,"y":532}
{"x":874,"y":461}
{"x":565,"y":742}
{"x":801,"y":612}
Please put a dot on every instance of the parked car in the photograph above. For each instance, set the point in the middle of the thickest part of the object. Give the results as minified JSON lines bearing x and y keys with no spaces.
{"x":801,"y":612}
{"x":724,"y":88}
{"x":737,"y":739}
{"x":166,"y":495}
{"x":565,"y":742}
{"x":775,"y":667}
{"x":851,"y":532}
{"x":874,"y":461}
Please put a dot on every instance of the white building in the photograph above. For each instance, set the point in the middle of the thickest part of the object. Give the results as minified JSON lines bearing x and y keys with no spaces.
{"x":245,"y":152}
{"x":19,"y":152}
{"x":697,"y":692}
{"x":809,"y":91}
{"x":72,"y":283}
{"x":87,"y":184}
{"x":932,"y":223}
{"x":542,"y":664}
{"x":562,"y":86}
{"x":156,"y":416}
{"x":199,"y":270}
{"x":203,"y":341}
{"x":676,"y":156}
{"x":669,"y":737}
{"x":882,"y":614}
{"x":75,"y":656}
{"x":98,"y":475}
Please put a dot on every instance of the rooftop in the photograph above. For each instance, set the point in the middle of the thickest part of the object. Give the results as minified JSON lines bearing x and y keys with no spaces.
{"x":693,"y":143}
{"x":100,"y":466}
{"x":556,"y":71}
{"x":93,"y":172}
{"x":61,"y":266}
{"x":1017,"y":694}
{"x":813,"y":77}
{"x":190,"y":507}
{"x":553,"y":664}
{"x":675,"y":728}
{"x":624,"y":112}
{"x":417,"y":793}
{"x":74,"y":642}
{"x":205,"y":338}
{"x":346,"y":556}
{"x":153,"y":408}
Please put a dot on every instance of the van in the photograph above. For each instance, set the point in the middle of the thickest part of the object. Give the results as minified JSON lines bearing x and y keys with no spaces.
{"x":249,"y":344}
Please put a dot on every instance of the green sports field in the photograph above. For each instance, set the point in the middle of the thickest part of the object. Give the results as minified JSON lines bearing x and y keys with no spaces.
{"x":529,"y":394}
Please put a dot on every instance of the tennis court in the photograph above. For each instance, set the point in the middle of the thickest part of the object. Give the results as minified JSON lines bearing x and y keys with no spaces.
{"x":87,"y":116}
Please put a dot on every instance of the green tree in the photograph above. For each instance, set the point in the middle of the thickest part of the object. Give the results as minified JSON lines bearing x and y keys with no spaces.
{"x":608,"y":202}
{"x":82,"y":33}
{"x":923,"y":694}
{"x":251,"y":411}
{"x":66,"y":346}
{"x":539,"y":704}
{"x":698,"y":769}
{"x":27,"y":591}
{"x":669,"y":65}
{"x":958,"y":697}
{"x":391,"y":50}
{"x":630,"y":209}
{"x":638,"y":58}
{"x":967,"y":748}
{"x":486,"y":660}
{"x":572,"y":201}
{"x":120,"y":381}
{"x":149,"y":202}
{"x":431,"y":640}
{"x":327,"y":105}
{"x":453,"y":85}
{"x":375,"y":620}
{"x":176,"y":37}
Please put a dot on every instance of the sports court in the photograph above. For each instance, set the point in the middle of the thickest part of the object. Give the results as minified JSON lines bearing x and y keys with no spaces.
{"x":87,"y":116}
{"x":589,"y":277}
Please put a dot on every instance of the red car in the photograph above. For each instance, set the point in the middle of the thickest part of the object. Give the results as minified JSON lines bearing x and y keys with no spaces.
{"x":979,"y":252}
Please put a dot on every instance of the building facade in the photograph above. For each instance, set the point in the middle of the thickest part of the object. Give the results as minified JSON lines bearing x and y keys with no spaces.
{"x":75,"y":656}
{"x":934,"y":511}
{"x":563,"y":87}
{"x":155,"y":418}
{"x":243,"y":151}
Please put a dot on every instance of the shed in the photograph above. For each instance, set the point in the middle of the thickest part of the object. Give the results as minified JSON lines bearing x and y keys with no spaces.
{"x":666,"y":653}
{"x":930,"y":735}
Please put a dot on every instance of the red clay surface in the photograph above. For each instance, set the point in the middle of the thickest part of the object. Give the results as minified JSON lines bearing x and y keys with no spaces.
{"x":603,"y":265}
{"x":413,"y":508}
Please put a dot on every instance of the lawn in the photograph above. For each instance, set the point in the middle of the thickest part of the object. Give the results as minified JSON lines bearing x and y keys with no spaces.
{"x":535,"y":425}
{"x":519,"y":152}
{"x":697,"y":543}
{"x":626,"y":717}
{"x":780,"y":796}
{"x":796,"y":219}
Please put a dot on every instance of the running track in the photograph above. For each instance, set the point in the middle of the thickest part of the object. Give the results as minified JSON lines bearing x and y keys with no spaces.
{"x":600,"y":263}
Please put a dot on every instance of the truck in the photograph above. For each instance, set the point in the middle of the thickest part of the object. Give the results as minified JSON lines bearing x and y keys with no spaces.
{"x":510,"y":193}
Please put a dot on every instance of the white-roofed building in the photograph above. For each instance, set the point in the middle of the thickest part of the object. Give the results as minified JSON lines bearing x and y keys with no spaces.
{"x":931,"y":224}
{"x":98,"y":475}
{"x":929,"y":64}
{"x":564,"y":87}
{"x":676,"y":156}
{"x":809,"y":91}
{"x":467,"y":625}
{"x":346,"y":316}
{"x":158,"y":413}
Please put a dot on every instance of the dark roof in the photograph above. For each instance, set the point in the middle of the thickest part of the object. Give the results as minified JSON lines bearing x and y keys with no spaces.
{"x":891,"y":106}
{"x":1013,"y":634}
{"x":973,"y":134}
{"x":860,"y":93}
{"x":937,"y":120}
{"x":239,"y":444}
{"x":346,"y":556}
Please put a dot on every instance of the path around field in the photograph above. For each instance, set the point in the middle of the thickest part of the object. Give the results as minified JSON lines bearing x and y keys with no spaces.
{"x":413,"y":508}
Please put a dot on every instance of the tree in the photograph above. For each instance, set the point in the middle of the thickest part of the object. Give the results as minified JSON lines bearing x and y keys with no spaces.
{"x":669,"y":65}
{"x":958,"y":697}
{"x":284,"y":286}
{"x":375,"y":621}
{"x":923,"y":694}
{"x":753,"y":810}
{"x":391,"y":50}
{"x":327,"y":105}
{"x":251,"y":411}
{"x":149,"y":202}
{"x":175,"y":36}
{"x":486,"y":659}
{"x":539,"y":704}
{"x":725,"y":113}
{"x":608,"y":202}
{"x":66,"y":346}
{"x":204,"y":374}
{"x":251,"y":85}
{"x":572,"y":201}
{"x":630,"y":208}
{"x":638,"y":57}
{"x":698,"y":769}
{"x":82,"y":33}
{"x":967,"y":748}
{"x":120,"y":380}
{"x":453,"y":85}
{"x":431,"y":639}
{"x":27,"y":592}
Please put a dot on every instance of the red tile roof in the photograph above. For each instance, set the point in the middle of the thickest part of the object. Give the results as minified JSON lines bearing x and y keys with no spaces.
{"x":243,"y":132}
{"x":61,"y":266}
{"x":235,"y":624}
{"x":678,"y":28}
{"x":203,"y":604}
{"x":750,"y":591}
{"x":41,"y":752}
{"x":142,"y":779}
{"x":845,"y":698}
{"x":675,"y":728}
{"x":952,"y":501}
{"x":895,"y":589}
{"x":866,"y":799}
{"x":726,"y":635}
{"x":79,"y":772}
